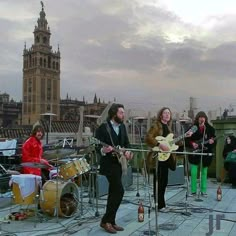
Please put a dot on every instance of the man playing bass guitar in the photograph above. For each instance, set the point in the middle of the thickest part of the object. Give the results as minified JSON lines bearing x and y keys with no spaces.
{"x":113,"y":133}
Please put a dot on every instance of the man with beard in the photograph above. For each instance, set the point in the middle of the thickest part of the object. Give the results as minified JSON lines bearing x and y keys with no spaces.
{"x":113,"y":133}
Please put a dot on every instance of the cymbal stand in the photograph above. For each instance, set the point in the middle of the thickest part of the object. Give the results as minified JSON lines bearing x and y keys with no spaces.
{"x":37,"y":192}
{"x":56,"y":210}
{"x":96,"y":184}
{"x":91,"y":184}
{"x":81,"y":194}
{"x":90,"y":188}
{"x":186,"y":213}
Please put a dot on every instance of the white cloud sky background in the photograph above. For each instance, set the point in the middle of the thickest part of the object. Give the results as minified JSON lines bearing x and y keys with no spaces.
{"x":145,"y":53}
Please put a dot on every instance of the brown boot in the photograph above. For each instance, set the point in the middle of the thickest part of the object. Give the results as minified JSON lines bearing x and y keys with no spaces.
{"x":118,"y":228}
{"x":108,"y":227}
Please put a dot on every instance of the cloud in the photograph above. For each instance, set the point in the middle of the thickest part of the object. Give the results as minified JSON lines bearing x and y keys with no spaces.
{"x":144,"y":53}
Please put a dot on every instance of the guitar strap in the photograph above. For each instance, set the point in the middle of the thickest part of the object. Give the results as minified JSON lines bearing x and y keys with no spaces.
{"x":122,"y":160}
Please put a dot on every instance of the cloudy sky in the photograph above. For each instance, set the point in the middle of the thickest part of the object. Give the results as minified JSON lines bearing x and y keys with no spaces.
{"x":144,"y":53}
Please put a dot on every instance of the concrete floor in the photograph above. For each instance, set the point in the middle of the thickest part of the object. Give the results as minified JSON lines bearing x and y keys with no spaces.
{"x":191,"y":217}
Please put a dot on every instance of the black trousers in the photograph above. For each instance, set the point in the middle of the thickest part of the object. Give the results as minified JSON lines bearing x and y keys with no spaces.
{"x":44,"y":175}
{"x":115,"y":194}
{"x":162,"y":182}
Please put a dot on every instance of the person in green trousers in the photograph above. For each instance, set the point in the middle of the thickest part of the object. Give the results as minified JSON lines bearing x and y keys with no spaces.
{"x":203,"y":140}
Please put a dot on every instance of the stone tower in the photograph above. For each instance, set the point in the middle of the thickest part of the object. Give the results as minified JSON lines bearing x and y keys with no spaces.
{"x":41,"y":75}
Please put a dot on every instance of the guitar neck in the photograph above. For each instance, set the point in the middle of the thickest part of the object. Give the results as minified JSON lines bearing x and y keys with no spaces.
{"x":106,"y":145}
{"x":179,"y":138}
{"x":207,"y":141}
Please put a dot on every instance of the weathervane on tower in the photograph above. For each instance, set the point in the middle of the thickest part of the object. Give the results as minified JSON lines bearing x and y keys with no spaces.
{"x":42,"y":4}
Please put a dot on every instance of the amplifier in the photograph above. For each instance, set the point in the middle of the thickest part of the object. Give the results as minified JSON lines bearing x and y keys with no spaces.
{"x":176,"y":177}
{"x":102,"y":182}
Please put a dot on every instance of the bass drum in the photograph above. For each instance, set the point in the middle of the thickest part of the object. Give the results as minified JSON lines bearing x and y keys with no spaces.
{"x":60,"y":196}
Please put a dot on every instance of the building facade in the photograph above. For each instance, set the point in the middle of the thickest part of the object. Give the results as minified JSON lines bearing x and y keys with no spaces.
{"x":10,"y":111}
{"x":41,"y":75}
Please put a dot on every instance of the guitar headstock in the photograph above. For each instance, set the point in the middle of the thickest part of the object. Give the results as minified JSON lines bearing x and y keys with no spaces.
{"x":191,"y":131}
{"x":93,"y":141}
{"x":194,"y":128}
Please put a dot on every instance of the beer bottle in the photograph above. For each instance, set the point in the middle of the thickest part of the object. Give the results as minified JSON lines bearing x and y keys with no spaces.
{"x":140,"y":212}
{"x":219,"y":194}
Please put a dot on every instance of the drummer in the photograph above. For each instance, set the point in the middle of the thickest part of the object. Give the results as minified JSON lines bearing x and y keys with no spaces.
{"x":32,"y":151}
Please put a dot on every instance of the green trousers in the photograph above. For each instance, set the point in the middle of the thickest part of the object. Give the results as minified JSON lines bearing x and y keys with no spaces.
{"x":194,"y":170}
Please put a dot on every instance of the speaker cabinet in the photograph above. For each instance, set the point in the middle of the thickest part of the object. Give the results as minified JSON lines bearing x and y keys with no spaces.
{"x":176,"y":177}
{"x":102,"y":182}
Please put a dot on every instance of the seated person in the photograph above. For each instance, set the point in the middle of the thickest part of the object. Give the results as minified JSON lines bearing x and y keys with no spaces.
{"x":32,"y":151}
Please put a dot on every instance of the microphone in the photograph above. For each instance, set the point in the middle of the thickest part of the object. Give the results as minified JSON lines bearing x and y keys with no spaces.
{"x":129,"y":121}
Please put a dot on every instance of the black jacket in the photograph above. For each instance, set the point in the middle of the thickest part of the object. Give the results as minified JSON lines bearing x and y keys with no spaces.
{"x":198,"y":137}
{"x":109,"y":160}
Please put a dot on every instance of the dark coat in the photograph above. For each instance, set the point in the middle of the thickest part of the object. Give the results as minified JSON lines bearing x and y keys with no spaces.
{"x":119,"y":140}
{"x":227,"y":149}
{"x":198,"y":137}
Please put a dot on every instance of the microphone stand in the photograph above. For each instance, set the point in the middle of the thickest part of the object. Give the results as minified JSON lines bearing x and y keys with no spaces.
{"x":198,"y":199}
{"x":96,"y":182}
{"x":156,"y":193}
{"x":186,"y":213}
{"x":145,"y":171}
{"x":139,"y":132}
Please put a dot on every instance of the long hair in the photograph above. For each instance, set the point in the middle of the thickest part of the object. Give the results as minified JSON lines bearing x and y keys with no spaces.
{"x":37,"y":128}
{"x":159,"y":114}
{"x":114,"y":109}
{"x":200,"y":114}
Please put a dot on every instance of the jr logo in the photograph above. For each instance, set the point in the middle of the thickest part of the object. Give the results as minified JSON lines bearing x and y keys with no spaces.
{"x":218,"y":219}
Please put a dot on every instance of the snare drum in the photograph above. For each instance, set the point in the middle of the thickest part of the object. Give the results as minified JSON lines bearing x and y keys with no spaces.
{"x":25,"y":188}
{"x":61,"y":196}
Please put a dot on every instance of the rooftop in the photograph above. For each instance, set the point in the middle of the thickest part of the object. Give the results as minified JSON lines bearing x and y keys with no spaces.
{"x":186,"y":216}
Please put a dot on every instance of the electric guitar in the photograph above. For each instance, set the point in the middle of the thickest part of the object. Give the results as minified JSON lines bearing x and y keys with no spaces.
{"x":201,"y":144}
{"x":169,"y":141}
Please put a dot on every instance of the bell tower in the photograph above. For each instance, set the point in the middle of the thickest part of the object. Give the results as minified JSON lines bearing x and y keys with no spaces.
{"x":41,"y":75}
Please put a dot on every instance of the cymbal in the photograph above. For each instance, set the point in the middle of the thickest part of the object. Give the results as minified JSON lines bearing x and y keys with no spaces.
{"x":58,"y":153}
{"x":34,"y":165}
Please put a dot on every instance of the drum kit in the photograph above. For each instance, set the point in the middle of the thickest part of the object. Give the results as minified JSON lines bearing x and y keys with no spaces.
{"x":58,"y":196}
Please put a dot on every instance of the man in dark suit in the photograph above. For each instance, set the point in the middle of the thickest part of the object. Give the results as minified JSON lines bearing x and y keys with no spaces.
{"x":113,"y":133}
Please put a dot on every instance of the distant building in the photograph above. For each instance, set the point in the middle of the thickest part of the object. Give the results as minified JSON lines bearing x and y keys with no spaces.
{"x":69,"y":109}
{"x":41,"y":75}
{"x":10,"y":111}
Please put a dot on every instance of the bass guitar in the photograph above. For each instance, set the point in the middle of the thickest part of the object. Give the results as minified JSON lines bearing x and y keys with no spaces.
{"x":117,"y":150}
{"x":169,"y":141}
